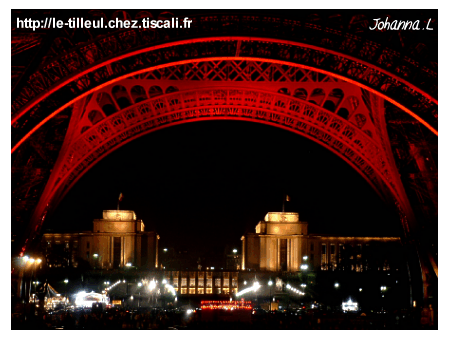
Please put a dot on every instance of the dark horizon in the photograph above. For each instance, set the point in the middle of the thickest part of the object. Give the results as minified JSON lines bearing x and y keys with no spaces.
{"x":198,"y":181}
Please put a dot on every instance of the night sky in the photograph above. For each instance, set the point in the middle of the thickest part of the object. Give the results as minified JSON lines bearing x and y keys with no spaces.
{"x":202,"y":185}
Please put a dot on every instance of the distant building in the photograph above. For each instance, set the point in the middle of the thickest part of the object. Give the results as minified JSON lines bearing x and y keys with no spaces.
{"x":281,"y":243}
{"x":118,"y":239}
{"x":223,"y":283}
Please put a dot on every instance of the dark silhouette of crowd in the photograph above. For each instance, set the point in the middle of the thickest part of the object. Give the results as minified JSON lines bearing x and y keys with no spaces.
{"x":160,"y":319}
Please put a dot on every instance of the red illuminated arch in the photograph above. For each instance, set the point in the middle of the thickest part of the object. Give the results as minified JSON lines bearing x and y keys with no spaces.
{"x":220,"y":103}
{"x":72,"y":77}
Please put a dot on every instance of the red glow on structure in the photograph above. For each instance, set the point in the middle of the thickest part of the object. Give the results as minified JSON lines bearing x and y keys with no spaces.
{"x":226,"y":305}
{"x":77,"y":75}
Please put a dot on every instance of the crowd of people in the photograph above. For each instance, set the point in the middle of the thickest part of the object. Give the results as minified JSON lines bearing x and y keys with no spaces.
{"x":160,"y":319}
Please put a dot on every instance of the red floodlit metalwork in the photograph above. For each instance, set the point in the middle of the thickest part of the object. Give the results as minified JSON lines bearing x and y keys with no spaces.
{"x":175,"y":108}
{"x":226,"y":305}
{"x":76,"y":75}
{"x":51,"y":115}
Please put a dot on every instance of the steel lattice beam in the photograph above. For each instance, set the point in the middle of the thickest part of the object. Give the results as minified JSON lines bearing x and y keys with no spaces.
{"x":91,"y":65}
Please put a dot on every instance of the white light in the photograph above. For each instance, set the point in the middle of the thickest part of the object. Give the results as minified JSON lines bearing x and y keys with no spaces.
{"x":26,"y":258}
{"x":87,"y":299}
{"x":66,"y":281}
{"x":164,"y":281}
{"x":245,"y":282}
{"x":95,"y":255}
{"x":171,"y":289}
{"x":305,"y":258}
{"x":270,"y":283}
{"x":139,"y":284}
{"x":31,"y":260}
{"x":336,"y":285}
{"x":288,"y":286}
{"x":124,"y":281}
{"x":254,"y":288}
{"x":129,"y":264}
{"x":189,"y":311}
{"x":212,"y":268}
{"x":234,"y":250}
{"x":152,"y":285}
{"x":165,"y":249}
{"x":304,"y":266}
{"x":38,"y":261}
{"x":360,"y":289}
{"x":350,"y":306}
{"x":303,"y":285}
{"x":131,"y":297}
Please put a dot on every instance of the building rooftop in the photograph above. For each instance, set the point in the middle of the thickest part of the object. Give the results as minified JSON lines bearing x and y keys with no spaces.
{"x":119,"y":215}
{"x":281,"y":217}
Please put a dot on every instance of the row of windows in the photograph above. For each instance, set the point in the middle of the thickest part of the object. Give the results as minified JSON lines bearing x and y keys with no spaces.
{"x":209,"y":282}
{"x":333,"y":247}
{"x":200,"y":274}
{"x":201,"y":291}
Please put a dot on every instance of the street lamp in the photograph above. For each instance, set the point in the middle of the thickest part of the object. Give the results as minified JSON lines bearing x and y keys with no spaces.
{"x":336,"y":285}
{"x":65,"y":293}
{"x":270,"y":283}
{"x":165,"y":249}
{"x":139,"y":299}
{"x":304,"y":266}
{"x":234,"y":251}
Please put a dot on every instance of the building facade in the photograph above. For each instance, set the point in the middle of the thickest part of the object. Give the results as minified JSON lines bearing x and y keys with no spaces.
{"x":209,"y":282}
{"x":118,"y":240}
{"x":281,"y":243}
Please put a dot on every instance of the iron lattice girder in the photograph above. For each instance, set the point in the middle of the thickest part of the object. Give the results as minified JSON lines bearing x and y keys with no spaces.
{"x":296,"y":115}
{"x":236,"y":70}
{"x":62,"y":80}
